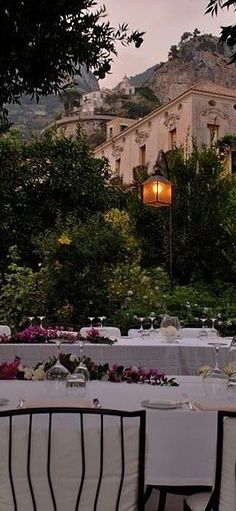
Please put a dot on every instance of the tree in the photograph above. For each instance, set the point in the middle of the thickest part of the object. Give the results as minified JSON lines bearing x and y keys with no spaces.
{"x":43,"y":44}
{"x":43,"y":179}
{"x":204,"y":211}
{"x":228,"y":34}
{"x":173,"y":52}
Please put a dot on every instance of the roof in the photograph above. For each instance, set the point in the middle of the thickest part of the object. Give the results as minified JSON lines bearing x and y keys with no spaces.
{"x":213,"y":88}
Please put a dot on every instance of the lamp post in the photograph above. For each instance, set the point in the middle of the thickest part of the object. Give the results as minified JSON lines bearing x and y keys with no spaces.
{"x":157,"y":192}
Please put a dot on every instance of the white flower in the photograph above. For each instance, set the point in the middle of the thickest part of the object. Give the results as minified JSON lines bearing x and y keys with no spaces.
{"x":28,"y":373}
{"x":38,"y":374}
{"x":130,"y":292}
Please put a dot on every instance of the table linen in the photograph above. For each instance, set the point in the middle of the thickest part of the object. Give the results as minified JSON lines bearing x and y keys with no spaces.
{"x":184,"y":357}
{"x":180,"y":443}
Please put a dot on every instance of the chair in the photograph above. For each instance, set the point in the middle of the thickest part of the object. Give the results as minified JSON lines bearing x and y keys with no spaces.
{"x":107,"y":331}
{"x":71,"y":459}
{"x":5,"y":330}
{"x":223,"y":496}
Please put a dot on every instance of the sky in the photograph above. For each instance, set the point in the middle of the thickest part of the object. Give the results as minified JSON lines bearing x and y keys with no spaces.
{"x":164,"y":21}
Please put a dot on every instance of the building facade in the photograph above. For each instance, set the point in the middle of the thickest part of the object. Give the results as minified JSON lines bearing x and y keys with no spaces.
{"x":201,"y":115}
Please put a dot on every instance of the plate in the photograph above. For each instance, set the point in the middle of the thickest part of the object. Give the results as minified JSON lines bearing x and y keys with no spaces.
{"x":3,"y":401}
{"x":162,"y":405}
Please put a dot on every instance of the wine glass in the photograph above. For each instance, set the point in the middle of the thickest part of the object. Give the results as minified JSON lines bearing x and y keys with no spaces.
{"x":215,"y":380}
{"x":212,"y":331}
{"x":102,"y":319}
{"x":41,"y":321}
{"x":31,"y":320}
{"x":57,"y":371}
{"x":141,"y":324}
{"x":152,"y":318}
{"x":91,"y":319}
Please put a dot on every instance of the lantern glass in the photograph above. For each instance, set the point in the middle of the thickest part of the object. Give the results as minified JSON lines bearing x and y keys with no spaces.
{"x":164,"y":195}
{"x":157,"y":192}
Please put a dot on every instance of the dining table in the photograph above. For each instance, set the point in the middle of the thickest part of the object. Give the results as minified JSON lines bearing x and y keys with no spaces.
{"x":181,"y":437}
{"x":182,"y":356}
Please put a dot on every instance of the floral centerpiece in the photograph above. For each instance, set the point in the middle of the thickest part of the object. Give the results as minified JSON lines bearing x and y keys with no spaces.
{"x":117,"y":373}
{"x":170,"y":332}
{"x":38,"y":334}
{"x":93,"y":336}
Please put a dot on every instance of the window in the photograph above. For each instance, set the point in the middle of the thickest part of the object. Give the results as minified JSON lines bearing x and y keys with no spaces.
{"x":110,"y":132}
{"x":233,"y":162}
{"x":213,"y":133}
{"x":172,"y":135}
{"x":117,"y":166}
{"x":142,"y":155}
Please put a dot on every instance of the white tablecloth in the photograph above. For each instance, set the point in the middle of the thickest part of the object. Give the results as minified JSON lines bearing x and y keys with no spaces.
{"x":183,"y":358}
{"x":180,"y":443}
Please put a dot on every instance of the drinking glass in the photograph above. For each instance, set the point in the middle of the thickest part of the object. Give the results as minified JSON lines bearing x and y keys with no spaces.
{"x":141,"y":324}
{"x":31,"y":320}
{"x":41,"y":321}
{"x":57,"y":371}
{"x":152,"y":318}
{"x":91,"y":319}
{"x":215,"y":380}
{"x":102,"y":329}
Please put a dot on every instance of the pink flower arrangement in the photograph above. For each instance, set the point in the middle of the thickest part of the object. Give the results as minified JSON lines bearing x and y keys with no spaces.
{"x":139,"y":375}
{"x":9,"y":370}
{"x":38,"y":334}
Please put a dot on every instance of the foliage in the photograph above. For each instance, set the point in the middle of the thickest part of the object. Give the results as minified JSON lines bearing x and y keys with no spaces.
{"x":228,"y":33}
{"x":21,"y":295}
{"x":39,"y":180}
{"x":42,"y":48}
{"x":204,"y":210}
{"x":76,"y":274}
{"x":148,"y":94}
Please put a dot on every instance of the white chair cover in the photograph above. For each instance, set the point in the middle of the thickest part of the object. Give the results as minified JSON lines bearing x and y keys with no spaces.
{"x":227,"y":481}
{"x":66,"y":462}
{"x":5,"y":330}
{"x":106,"y":331}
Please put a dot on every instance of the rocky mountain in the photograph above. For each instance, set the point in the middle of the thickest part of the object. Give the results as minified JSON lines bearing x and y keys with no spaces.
{"x":32,"y":117}
{"x":197,"y":58}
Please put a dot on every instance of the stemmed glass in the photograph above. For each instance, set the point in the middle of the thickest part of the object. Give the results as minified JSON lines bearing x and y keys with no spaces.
{"x":152,"y":318}
{"x":57,"y":371}
{"x":215,"y":380}
{"x":91,"y":319}
{"x":41,"y":321}
{"x":31,"y":320}
{"x":102,"y":330}
{"x":141,"y":324}
{"x":102,"y":318}
{"x":203,"y":330}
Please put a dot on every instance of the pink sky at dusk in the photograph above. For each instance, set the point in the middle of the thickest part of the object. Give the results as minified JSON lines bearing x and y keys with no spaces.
{"x":164,"y":21}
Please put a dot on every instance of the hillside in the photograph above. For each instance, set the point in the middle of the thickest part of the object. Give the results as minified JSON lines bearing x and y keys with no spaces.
{"x":31,"y":117}
{"x":197,"y":58}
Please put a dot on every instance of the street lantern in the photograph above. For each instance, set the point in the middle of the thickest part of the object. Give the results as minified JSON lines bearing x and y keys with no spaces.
{"x":157,"y":191}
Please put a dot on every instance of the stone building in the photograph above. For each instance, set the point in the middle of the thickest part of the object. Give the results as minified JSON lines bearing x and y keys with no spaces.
{"x":202,"y":114}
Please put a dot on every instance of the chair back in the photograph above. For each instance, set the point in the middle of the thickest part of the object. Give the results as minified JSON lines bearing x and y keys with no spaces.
{"x":5,"y":330}
{"x":73,"y":459}
{"x":224,"y":495}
